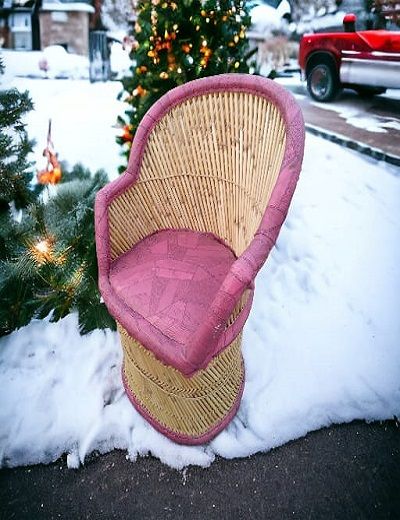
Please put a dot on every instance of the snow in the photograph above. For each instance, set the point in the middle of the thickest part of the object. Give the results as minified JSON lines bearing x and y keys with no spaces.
{"x":353,"y":111}
{"x":58,"y":62}
{"x":79,"y":127}
{"x":83,"y":121}
{"x":265,"y":19}
{"x":119,"y":60}
{"x":294,"y":84}
{"x":324,"y":23}
{"x":67,"y":6}
{"x":55,"y":62}
{"x":321,"y":345}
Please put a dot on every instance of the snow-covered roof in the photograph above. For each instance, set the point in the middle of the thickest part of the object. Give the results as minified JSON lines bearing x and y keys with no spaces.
{"x":321,"y":23}
{"x":70,"y":6}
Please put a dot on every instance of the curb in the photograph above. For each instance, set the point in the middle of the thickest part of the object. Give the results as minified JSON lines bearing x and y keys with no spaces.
{"x":376,"y":153}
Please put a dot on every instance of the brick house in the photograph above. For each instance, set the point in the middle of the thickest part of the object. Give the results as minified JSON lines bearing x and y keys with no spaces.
{"x":36,"y":24}
{"x":19,"y":25}
{"x":65,"y":24}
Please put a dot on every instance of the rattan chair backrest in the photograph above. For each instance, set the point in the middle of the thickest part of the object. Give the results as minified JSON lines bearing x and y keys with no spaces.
{"x":209,"y":164}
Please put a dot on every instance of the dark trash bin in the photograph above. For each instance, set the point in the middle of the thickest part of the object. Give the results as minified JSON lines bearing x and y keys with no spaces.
{"x":99,"y":56}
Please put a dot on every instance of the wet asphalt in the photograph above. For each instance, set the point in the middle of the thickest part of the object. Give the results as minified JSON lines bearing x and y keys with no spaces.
{"x":343,"y":472}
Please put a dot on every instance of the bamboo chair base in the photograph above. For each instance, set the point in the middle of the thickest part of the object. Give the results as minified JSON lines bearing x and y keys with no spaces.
{"x":188,"y":410}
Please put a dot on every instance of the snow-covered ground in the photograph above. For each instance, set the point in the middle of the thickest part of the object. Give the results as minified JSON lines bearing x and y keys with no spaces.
{"x":83,"y":115}
{"x":321,"y":346}
{"x":55,"y":62}
{"x":84,"y":120}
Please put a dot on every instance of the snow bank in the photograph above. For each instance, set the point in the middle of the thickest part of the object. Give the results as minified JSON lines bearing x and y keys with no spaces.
{"x":321,"y":345}
{"x":53,"y":62}
{"x":120,"y":61}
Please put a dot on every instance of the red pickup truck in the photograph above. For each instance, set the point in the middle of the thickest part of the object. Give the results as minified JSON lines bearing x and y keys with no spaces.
{"x":366,"y":61}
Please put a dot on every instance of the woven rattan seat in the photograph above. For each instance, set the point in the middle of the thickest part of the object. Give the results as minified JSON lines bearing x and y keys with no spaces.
{"x":181,"y":236}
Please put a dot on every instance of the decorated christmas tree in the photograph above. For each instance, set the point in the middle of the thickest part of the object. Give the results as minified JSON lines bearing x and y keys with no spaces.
{"x":176,"y":42}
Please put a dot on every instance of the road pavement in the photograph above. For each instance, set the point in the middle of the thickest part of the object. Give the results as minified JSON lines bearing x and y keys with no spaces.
{"x":331,"y":121}
{"x":342,"y":472}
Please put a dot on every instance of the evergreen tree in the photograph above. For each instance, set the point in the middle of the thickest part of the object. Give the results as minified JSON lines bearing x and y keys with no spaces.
{"x":47,"y":251}
{"x":177,"y":42}
{"x":53,"y":268}
{"x":15,"y":170}
{"x":15,"y":194}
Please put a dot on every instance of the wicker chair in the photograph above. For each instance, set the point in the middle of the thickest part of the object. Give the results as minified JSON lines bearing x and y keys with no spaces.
{"x":181,"y":236}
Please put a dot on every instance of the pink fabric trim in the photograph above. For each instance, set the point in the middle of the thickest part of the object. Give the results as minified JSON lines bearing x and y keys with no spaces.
{"x":181,"y":438}
{"x":210,"y":337}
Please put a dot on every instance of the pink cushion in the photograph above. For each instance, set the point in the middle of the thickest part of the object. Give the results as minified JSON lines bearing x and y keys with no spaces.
{"x":171,"y":278}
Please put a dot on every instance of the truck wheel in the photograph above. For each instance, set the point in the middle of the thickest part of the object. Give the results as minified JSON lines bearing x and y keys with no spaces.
{"x":323,"y":82}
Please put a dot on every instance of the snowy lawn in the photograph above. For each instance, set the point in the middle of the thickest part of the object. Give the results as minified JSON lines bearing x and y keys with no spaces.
{"x":321,"y":346}
{"x":83,"y":121}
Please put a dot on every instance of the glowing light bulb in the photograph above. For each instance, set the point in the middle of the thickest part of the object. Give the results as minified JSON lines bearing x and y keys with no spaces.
{"x":42,"y":246}
{"x":42,"y":251}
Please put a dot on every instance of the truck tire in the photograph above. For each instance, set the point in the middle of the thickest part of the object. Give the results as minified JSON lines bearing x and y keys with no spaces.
{"x":322,"y":82}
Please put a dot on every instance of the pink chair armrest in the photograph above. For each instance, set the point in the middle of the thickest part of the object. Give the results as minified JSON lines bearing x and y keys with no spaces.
{"x":246,"y":267}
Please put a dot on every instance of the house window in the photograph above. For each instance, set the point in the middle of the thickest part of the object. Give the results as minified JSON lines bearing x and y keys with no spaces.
{"x":59,"y":16}
{"x":20,"y":21}
{"x":21,"y":31}
{"x":22,"y":41}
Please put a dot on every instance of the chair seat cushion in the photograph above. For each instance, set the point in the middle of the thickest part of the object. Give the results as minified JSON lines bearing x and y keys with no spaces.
{"x":171,"y":277}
